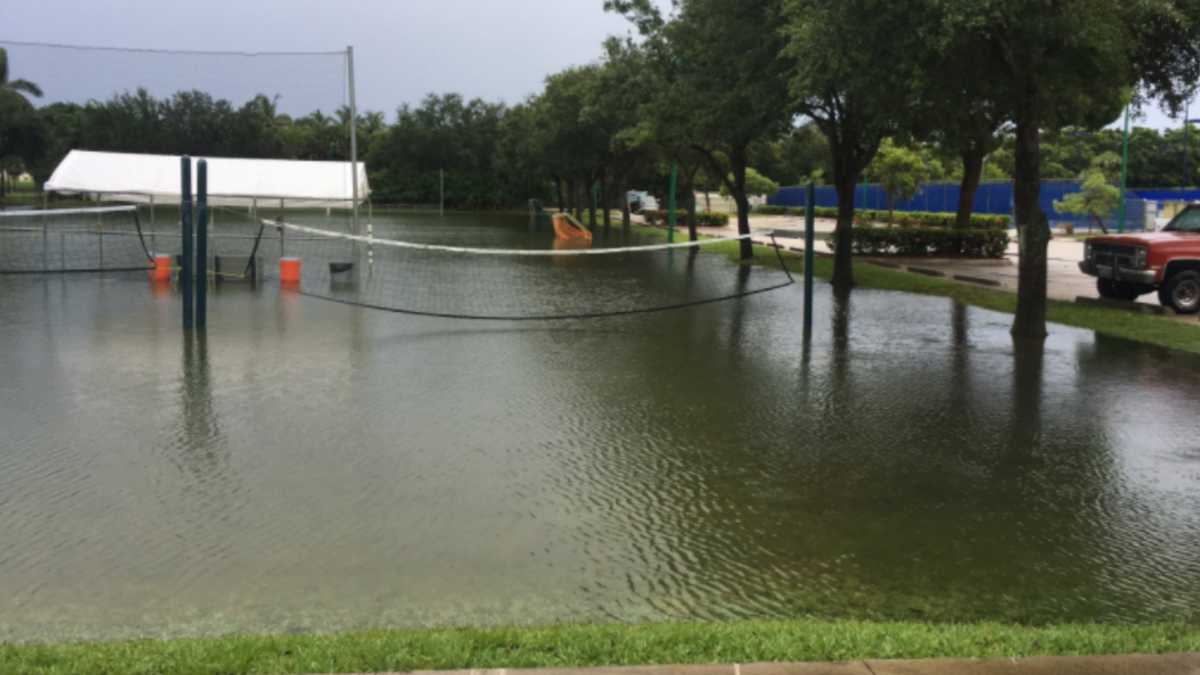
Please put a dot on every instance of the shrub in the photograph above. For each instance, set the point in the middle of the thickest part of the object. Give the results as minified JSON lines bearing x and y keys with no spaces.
{"x":770,"y":210}
{"x":926,"y":241}
{"x":703,"y":218}
{"x":913,"y":218}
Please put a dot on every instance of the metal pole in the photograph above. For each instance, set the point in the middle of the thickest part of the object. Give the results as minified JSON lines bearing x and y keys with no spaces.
{"x":1187,"y":150}
{"x":671,"y":203}
{"x":201,"y":244}
{"x":281,"y":230}
{"x":442,"y":192}
{"x":154,"y":244}
{"x":1124,"y":172}
{"x":100,"y":237}
{"x":353,"y":136}
{"x":185,"y":222}
{"x":810,"y":237}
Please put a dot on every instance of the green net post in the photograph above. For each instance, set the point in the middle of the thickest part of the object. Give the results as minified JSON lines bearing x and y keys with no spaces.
{"x":201,"y":243}
{"x":671,"y":202}
{"x":810,"y":237}
{"x":185,"y":223}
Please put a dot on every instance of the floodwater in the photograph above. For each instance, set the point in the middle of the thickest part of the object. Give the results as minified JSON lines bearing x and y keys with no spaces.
{"x":312,"y":466}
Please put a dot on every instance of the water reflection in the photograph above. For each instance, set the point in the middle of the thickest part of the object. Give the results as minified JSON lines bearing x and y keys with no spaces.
{"x":310,"y":466}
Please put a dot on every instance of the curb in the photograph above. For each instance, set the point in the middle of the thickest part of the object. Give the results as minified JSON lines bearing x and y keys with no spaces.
{"x":926,"y":271}
{"x":977,"y":280}
{"x":1138,"y":307}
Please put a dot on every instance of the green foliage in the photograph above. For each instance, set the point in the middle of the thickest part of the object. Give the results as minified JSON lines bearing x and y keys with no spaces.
{"x":703,"y":218}
{"x":450,"y":134}
{"x":900,"y":170}
{"x":927,"y":219}
{"x":756,"y":184}
{"x":1098,"y":197}
{"x":926,"y":241}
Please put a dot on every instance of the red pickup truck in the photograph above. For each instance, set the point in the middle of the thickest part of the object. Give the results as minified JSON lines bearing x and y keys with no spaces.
{"x":1127,"y":266}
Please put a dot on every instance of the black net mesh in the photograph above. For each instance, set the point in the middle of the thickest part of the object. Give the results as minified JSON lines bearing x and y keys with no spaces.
{"x":73,"y":240}
{"x":513,"y":284}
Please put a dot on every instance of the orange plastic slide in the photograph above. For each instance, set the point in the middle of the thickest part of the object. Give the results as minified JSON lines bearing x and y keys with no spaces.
{"x":565,"y":227}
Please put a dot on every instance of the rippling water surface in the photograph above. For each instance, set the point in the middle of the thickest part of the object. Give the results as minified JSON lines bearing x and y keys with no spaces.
{"x":312,"y":466}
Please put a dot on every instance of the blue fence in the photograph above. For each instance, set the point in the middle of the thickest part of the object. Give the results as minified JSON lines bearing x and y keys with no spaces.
{"x":991,"y":198}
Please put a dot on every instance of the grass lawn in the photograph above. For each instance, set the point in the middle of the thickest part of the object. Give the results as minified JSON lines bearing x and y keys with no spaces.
{"x":564,"y":646}
{"x":1156,"y":330}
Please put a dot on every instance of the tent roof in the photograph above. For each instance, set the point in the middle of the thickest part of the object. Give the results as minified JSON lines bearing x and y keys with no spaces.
{"x":118,"y":176}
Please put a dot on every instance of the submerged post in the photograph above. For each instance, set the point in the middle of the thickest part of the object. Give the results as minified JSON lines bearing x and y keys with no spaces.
{"x":201,"y":243}
{"x":185,"y":225}
{"x":810,"y":236}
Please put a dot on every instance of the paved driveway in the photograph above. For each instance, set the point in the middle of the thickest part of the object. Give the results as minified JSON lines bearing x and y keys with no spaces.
{"x":1066,"y":282}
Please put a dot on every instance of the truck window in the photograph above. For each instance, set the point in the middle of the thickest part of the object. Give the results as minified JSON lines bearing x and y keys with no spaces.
{"x":1188,"y":221}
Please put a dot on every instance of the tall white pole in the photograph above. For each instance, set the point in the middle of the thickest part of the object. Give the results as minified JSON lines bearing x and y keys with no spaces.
{"x":353,"y":135}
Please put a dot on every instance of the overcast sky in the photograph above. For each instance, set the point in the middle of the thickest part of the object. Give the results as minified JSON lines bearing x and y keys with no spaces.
{"x":494,"y":49}
{"x":404,"y":49}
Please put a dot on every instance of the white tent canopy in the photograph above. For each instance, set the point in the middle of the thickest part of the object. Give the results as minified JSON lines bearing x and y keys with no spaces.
{"x":269,"y":183}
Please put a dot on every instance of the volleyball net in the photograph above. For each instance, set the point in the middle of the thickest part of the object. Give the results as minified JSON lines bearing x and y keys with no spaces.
{"x":564,"y":282}
{"x":102,"y":239}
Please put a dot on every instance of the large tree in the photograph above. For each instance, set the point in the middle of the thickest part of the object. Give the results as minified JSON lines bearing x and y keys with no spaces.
{"x":724,"y":67}
{"x":21,"y":138}
{"x":855,"y":66}
{"x":1069,"y":62}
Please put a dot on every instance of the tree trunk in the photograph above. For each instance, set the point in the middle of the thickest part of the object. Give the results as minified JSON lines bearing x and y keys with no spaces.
{"x":572,"y":197}
{"x":972,"y":159}
{"x":738,"y":189}
{"x":558,"y":188}
{"x":707,"y":202}
{"x":589,"y":193}
{"x":1033,"y":231}
{"x":691,"y":215}
{"x":605,"y":202}
{"x":579,"y":191}
{"x":1100,"y":222}
{"x":843,"y":263}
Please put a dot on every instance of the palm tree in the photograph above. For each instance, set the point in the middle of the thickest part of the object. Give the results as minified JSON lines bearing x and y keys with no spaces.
{"x":20,"y":90}
{"x":23,"y":87}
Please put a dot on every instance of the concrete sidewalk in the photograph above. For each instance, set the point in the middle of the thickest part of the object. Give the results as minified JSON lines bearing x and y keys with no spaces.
{"x":1169,"y":664}
{"x":1066,"y":282}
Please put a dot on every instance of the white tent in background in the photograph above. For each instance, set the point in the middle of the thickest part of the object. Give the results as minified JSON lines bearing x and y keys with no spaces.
{"x":267,"y":183}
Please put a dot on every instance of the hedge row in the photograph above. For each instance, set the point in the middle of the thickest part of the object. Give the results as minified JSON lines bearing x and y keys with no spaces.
{"x":905,"y":218}
{"x":703,"y":218}
{"x":926,"y":241}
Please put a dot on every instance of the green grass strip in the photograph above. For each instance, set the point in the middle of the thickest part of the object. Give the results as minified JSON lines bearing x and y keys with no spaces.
{"x":571,"y":646}
{"x":1156,"y":330}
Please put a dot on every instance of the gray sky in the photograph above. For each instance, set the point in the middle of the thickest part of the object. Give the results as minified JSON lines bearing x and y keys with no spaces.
{"x":404,"y":49}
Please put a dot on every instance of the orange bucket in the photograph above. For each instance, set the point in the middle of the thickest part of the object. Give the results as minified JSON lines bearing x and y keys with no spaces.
{"x":162,"y":268}
{"x":289,"y":270}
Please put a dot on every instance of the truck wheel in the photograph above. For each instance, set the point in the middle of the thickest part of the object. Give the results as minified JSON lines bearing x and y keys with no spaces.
{"x":1182,"y":292}
{"x":1115,"y":290}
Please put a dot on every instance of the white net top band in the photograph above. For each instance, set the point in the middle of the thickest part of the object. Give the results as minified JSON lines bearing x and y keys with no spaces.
{"x":50,"y":213}
{"x":375,"y":241}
